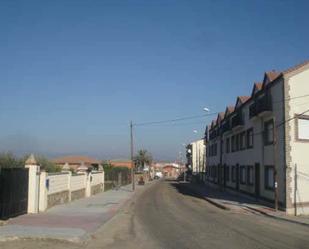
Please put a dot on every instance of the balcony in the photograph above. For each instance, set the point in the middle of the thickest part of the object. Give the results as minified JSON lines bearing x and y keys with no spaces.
{"x":213,"y":134}
{"x":260,"y":107}
{"x":225,"y":127}
{"x":237,"y":121}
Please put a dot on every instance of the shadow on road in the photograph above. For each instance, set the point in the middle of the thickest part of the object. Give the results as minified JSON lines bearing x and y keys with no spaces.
{"x":184,"y":188}
{"x":202,"y":191}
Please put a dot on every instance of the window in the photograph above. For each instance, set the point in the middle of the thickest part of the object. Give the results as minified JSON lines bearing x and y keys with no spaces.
{"x":250,"y":138}
{"x":269,"y":181}
{"x":227,"y":145}
{"x":250,"y":175}
{"x":237,"y":137}
{"x":242,"y":138}
{"x":242,"y":175}
{"x":210,"y":150}
{"x":215,"y":149}
{"x":233,"y":174}
{"x":268,"y":132}
{"x":215,"y":171}
{"x":303,"y":127}
{"x":233,"y":144}
{"x":227,"y":173}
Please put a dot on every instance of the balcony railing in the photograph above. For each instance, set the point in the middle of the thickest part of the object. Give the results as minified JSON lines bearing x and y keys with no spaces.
{"x":260,"y":106}
{"x":225,"y":127}
{"x":237,"y":120}
{"x":213,"y":134}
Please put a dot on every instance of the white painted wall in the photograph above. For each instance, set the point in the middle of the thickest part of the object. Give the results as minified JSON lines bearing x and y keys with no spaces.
{"x":97,"y":178}
{"x":299,"y":86}
{"x":264,"y":155}
{"x":57,"y":183}
{"x":198,"y":156}
{"x":78,"y":182}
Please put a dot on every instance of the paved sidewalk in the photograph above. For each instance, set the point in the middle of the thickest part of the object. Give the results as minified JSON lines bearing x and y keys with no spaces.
{"x":242,"y":204}
{"x":75,"y":221}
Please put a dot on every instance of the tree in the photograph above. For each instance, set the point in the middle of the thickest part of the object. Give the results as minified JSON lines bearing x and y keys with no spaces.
{"x":142,"y":158}
{"x":47,"y":165}
{"x":8,"y":160}
{"x":107,"y":166}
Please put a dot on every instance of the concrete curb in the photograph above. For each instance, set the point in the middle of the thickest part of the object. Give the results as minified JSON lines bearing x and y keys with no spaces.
{"x":211,"y":201}
{"x":219,"y":205}
{"x":278,"y":217}
{"x":224,"y":207}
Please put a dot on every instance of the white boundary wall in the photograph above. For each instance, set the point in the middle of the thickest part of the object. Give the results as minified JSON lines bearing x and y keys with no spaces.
{"x":78,"y":182}
{"x":58,"y":183}
{"x":97,"y":178}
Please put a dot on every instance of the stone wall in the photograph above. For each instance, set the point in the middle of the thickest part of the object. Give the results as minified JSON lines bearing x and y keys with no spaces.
{"x":78,"y":194}
{"x":96,"y":189}
{"x":108,"y":185}
{"x":57,"y":198}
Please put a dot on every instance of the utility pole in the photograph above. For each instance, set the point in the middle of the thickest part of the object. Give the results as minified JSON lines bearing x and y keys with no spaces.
{"x":275,"y":164}
{"x":132,"y":152}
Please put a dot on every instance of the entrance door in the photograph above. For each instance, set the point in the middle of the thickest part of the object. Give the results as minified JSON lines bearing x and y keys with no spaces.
{"x":257,"y":180}
{"x":13,"y":192}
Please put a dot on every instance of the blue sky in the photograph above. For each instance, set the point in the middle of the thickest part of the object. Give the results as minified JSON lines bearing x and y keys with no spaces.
{"x":74,"y":73}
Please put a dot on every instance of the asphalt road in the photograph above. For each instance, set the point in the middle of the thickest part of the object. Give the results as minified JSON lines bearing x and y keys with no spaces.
{"x":175,"y":218}
{"x":166,"y":215}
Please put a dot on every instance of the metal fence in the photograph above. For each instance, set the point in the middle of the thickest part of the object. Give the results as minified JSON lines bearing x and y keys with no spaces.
{"x":117,"y":177}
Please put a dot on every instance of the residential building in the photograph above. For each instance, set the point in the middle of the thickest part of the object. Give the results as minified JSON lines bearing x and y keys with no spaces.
{"x":121,"y":163}
{"x":171,"y":170}
{"x":196,"y":157}
{"x":258,"y":146}
{"x":78,"y":163}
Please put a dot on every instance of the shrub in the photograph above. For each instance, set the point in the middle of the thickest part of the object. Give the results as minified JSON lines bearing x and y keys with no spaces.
{"x":8,"y":160}
{"x":47,"y":165}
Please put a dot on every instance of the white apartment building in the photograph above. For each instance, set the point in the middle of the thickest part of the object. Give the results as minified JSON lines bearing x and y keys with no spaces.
{"x":259,"y":146}
{"x":196,"y":152}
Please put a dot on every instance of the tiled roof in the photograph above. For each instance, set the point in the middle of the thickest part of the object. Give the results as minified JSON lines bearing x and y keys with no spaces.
{"x":258,"y":85}
{"x":272,"y":75}
{"x":291,"y":69}
{"x":75,"y":160}
{"x":121,"y":163}
{"x":243,"y":99}
{"x":230,"y":108}
{"x":221,"y":115}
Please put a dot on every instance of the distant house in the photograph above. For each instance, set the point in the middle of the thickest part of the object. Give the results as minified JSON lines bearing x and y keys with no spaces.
{"x":171,"y":170}
{"x":77,"y":163}
{"x":121,"y":163}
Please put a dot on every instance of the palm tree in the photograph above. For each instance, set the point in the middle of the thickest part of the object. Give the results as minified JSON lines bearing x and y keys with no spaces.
{"x":142,"y":158}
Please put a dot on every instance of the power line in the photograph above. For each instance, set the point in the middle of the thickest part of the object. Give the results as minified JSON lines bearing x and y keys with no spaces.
{"x":205,"y":115}
{"x":175,"y":120}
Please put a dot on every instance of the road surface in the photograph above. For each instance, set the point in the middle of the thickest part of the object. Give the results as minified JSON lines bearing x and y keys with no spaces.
{"x":166,"y":215}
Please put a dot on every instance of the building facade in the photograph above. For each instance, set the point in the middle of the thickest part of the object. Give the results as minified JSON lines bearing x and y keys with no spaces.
{"x":258,"y":146}
{"x":196,"y":155}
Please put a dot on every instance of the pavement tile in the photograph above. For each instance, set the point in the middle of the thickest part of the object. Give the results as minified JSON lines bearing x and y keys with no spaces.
{"x":74,"y":221}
